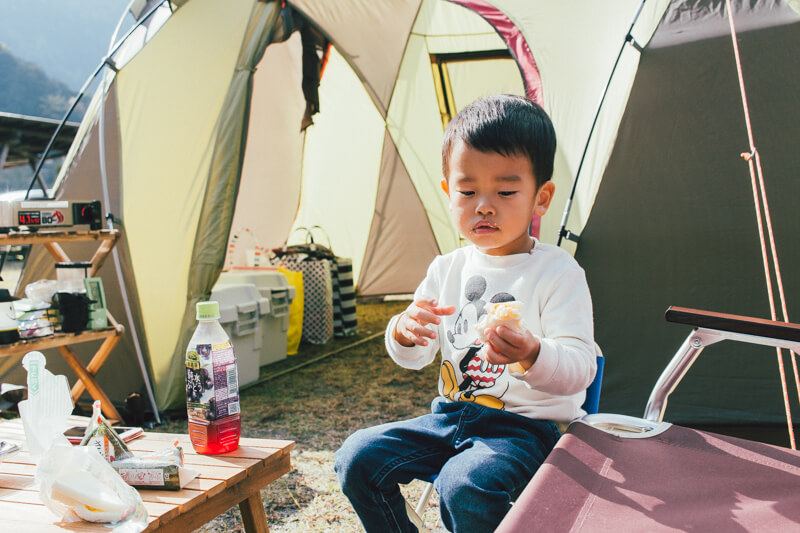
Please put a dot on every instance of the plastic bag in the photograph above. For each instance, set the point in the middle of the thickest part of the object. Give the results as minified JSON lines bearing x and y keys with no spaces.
{"x":75,"y":482}
{"x":42,"y":290}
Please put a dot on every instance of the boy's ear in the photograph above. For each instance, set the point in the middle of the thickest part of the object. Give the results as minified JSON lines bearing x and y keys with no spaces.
{"x":445,"y":187}
{"x":543,"y":198}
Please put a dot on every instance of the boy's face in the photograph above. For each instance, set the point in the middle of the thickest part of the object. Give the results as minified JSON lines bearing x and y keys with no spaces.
{"x":493,"y":198}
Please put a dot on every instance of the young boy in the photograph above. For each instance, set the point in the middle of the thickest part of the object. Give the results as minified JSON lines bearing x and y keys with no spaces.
{"x":491,"y":425}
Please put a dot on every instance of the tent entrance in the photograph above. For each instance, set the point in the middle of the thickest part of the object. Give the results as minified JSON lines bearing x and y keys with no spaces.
{"x":448,"y":70}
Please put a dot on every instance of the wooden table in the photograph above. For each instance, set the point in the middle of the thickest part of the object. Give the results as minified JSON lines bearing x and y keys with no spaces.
{"x":110,"y":336}
{"x":224,"y":481}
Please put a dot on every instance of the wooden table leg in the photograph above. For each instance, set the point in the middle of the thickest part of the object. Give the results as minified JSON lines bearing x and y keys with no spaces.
{"x":91,"y":385}
{"x":246,"y":493}
{"x":95,"y":364}
{"x":254,"y":518}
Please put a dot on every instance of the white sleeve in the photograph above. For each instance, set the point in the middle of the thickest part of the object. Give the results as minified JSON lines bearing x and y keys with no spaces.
{"x":567,"y":360}
{"x":415,"y":357}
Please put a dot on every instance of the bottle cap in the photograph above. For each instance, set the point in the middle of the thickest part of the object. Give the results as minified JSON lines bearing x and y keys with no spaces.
{"x":207,"y":310}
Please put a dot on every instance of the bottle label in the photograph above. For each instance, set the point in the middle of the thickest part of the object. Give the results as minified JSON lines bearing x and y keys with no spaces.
{"x":212,"y":385}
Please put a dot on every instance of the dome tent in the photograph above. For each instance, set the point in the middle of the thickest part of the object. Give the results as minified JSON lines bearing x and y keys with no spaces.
{"x":674,"y":223}
{"x":200,"y":136}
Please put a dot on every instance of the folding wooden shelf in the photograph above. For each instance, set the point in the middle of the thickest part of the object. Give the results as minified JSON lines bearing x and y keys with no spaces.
{"x":110,"y":335}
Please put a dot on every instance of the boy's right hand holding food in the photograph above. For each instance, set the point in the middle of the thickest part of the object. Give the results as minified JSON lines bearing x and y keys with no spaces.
{"x":412,"y":326}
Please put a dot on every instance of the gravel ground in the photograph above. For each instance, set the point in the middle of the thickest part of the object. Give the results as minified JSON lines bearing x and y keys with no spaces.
{"x":318,"y":405}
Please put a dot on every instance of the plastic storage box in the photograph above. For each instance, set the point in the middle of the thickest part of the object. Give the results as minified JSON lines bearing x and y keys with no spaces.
{"x":242,"y":313}
{"x":273,"y":286}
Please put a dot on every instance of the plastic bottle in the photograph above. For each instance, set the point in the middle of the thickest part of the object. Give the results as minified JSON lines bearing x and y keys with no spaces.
{"x":212,"y":385}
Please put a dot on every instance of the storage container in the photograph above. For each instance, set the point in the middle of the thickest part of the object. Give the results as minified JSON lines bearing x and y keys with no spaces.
{"x":273,"y":286}
{"x":242,"y":313}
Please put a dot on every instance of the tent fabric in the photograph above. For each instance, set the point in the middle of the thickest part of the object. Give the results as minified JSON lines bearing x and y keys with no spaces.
{"x":150,"y":91}
{"x":221,"y":190}
{"x":686,"y":22}
{"x":374,"y":53}
{"x":415,"y":127}
{"x":269,"y":187}
{"x":674,"y":221}
{"x":575,"y":61}
{"x":400,"y":239}
{"x":415,"y":124}
{"x":516,"y":44}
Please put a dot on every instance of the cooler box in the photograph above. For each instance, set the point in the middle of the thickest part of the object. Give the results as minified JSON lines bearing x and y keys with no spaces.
{"x":273,"y":286}
{"x":242,"y":313}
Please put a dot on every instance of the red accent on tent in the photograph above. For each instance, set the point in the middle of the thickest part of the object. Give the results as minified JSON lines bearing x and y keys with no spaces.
{"x":324,"y":61}
{"x":514,"y":40}
{"x":522,"y":54}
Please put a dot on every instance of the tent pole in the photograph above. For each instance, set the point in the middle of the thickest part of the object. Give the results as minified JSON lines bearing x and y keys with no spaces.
{"x":106,"y":61}
{"x":118,"y":271}
{"x":117,"y":264}
{"x":562,"y":231}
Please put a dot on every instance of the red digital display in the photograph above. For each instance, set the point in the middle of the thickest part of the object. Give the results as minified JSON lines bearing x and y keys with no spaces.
{"x":29,"y":218}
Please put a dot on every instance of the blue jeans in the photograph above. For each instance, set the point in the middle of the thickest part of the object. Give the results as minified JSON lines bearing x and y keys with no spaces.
{"x":484,"y":457}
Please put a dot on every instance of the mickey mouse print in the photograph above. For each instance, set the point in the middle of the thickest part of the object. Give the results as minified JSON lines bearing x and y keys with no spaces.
{"x":474,"y":379}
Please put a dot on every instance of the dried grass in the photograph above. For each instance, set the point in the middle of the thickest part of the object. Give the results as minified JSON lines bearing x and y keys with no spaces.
{"x":318,"y":406}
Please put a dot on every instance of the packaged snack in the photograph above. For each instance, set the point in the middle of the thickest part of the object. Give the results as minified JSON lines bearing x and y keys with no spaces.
{"x":34,"y":318}
{"x":162,"y":469}
{"x":102,"y":438}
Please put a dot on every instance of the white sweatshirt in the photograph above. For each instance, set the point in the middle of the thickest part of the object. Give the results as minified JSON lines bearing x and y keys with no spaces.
{"x":556,"y":308}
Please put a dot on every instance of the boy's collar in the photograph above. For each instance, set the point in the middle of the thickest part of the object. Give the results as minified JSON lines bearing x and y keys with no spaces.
{"x":503,"y":260}
{"x":534,"y":242}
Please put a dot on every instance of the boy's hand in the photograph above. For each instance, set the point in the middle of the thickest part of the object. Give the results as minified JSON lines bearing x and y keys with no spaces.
{"x":506,"y":346}
{"x":411,"y":328}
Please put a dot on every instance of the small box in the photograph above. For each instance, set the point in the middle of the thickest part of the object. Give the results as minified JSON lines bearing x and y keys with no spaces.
{"x":98,"y":317}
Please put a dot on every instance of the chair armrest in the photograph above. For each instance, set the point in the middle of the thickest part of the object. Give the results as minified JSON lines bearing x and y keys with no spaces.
{"x":710,"y":328}
{"x":734,"y":323}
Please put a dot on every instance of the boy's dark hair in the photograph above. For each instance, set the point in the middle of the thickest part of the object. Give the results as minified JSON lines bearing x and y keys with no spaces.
{"x":506,"y":124}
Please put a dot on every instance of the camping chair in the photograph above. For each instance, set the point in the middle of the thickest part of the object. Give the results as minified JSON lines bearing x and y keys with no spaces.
{"x":623,"y":473}
{"x":590,"y":405}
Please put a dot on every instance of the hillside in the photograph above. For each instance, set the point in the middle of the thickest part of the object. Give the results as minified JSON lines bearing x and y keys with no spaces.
{"x":66,"y":38}
{"x":25,"y":89}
